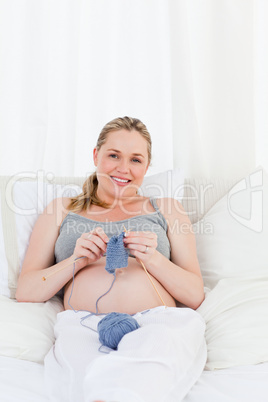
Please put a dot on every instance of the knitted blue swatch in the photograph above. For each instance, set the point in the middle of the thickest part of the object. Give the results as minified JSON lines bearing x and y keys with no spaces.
{"x":116,"y":254}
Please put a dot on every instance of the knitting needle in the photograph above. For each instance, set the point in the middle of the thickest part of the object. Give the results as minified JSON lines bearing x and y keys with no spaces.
{"x":147,"y":273}
{"x":44,"y":278}
{"x":143,"y":266}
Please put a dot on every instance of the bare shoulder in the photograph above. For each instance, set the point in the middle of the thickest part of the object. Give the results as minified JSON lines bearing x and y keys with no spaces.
{"x":172,"y":210}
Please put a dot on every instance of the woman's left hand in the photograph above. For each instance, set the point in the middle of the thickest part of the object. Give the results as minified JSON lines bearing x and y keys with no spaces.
{"x":141,"y":244}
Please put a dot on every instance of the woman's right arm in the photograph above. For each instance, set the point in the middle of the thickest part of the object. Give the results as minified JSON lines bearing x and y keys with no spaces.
{"x":39,"y":259}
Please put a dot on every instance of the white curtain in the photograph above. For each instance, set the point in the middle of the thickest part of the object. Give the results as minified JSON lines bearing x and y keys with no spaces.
{"x":261,"y":82}
{"x":192,"y":71}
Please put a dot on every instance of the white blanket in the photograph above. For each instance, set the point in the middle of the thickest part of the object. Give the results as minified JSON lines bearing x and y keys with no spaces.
{"x":158,"y":362}
{"x":21,"y":380}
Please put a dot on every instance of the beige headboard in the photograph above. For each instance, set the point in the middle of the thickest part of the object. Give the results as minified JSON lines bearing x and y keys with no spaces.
{"x":201,"y":194}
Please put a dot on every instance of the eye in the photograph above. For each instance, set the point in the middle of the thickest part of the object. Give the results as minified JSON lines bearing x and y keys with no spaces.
{"x":136,"y":160}
{"x":113,"y":156}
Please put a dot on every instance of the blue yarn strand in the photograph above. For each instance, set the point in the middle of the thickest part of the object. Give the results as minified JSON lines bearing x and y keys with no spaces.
{"x":69,"y":300}
{"x":97,"y":311}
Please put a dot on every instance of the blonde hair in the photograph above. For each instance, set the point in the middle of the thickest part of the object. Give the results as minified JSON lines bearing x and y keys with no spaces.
{"x":89,"y":193}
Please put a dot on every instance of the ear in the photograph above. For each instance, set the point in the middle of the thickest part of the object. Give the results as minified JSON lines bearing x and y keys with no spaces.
{"x":95,"y":156}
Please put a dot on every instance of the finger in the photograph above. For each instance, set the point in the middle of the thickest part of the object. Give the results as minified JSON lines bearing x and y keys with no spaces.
{"x":149,"y":235}
{"x":88,"y":253}
{"x":136,"y":240}
{"x":142,"y":241}
{"x":97,"y":249}
{"x":96,"y":241}
{"x":140,"y":247}
{"x":93,"y":254}
{"x":96,"y":232}
{"x":94,"y":237}
{"x":81,"y":252}
{"x":137,"y":254}
{"x":100,"y":232}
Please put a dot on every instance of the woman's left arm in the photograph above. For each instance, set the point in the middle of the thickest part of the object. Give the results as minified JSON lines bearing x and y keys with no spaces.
{"x":181,"y":276}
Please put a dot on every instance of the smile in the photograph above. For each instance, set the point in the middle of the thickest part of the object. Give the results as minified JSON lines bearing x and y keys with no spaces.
{"x":120,"y":181}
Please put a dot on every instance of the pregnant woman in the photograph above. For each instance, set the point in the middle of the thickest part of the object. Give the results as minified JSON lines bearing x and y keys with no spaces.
{"x":67,"y":255}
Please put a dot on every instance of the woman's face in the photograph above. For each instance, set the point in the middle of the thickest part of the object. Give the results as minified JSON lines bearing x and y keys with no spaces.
{"x":121,"y":164}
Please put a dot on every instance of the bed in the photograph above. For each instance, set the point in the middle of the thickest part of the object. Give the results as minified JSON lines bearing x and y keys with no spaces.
{"x":230,"y":221}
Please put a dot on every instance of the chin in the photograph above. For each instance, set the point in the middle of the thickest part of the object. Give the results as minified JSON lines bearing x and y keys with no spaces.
{"x":123,"y":191}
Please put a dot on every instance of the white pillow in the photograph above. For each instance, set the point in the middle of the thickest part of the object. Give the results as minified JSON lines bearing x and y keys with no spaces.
{"x":30,"y":199}
{"x":234,"y":264}
{"x":27,"y":329}
{"x":24,"y":201}
{"x":166,"y":184}
{"x":232,"y":238}
{"x":4,"y":288}
{"x":235,"y":312}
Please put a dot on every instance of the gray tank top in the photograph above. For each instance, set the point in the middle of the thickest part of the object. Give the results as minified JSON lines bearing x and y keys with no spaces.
{"x":74,"y":225}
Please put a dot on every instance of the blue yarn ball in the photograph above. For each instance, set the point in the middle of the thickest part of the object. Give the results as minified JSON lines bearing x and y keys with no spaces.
{"x":113,"y":327}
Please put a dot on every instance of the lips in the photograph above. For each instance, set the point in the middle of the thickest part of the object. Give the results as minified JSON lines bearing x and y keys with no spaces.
{"x":121,"y":181}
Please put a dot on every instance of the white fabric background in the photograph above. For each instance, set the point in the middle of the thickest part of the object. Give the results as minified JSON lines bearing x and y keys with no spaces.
{"x":195,"y":72}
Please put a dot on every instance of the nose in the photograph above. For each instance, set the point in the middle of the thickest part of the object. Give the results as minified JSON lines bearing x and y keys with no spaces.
{"x":123,"y":166}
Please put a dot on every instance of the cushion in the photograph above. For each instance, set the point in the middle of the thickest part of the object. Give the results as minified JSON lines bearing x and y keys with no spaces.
{"x":233,"y":256}
{"x":165,"y":184}
{"x":21,"y":203}
{"x":27,"y":329}
{"x":235,"y":312}
{"x":232,"y":237}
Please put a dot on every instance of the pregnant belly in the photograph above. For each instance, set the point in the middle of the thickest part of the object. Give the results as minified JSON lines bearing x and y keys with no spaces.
{"x":132,"y":290}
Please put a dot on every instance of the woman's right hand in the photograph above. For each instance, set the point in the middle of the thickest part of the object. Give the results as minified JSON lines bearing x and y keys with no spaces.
{"x":91,"y":245}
